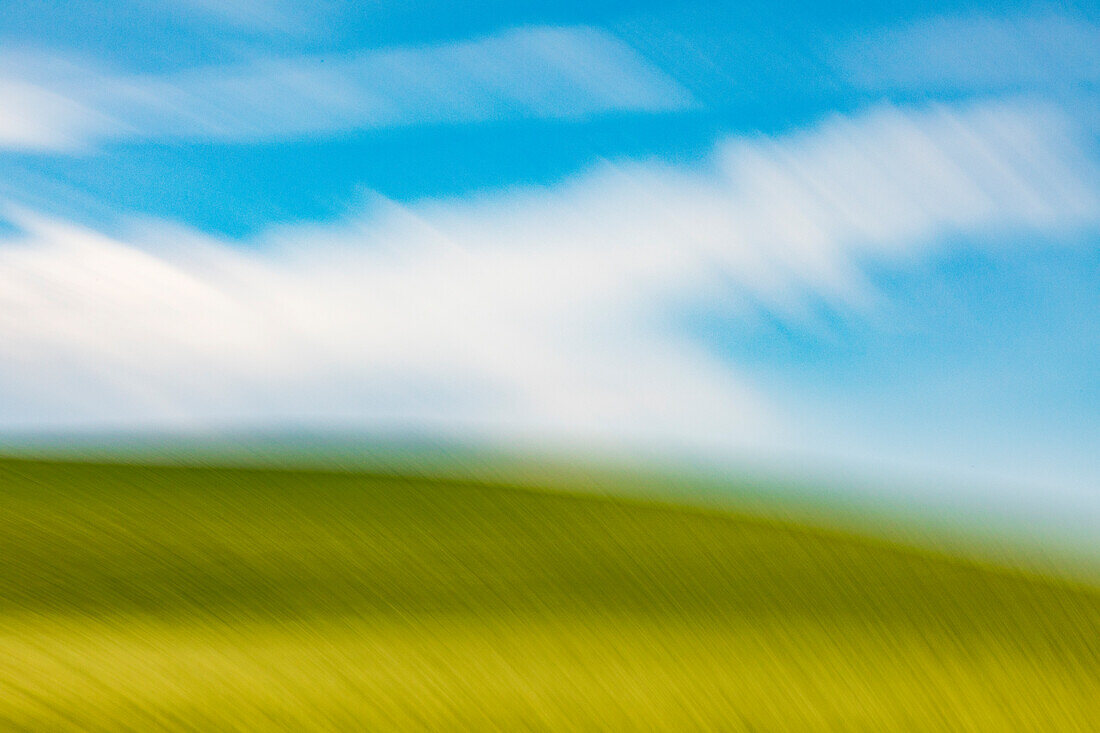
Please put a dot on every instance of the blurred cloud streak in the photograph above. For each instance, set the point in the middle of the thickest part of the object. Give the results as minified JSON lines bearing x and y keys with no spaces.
{"x":526,"y":309}
{"x":976,"y":53}
{"x":536,"y":72}
{"x":245,"y":14}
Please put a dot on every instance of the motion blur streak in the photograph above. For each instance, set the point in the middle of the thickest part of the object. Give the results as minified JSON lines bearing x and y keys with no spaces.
{"x":178,"y":598}
{"x":535,"y":309}
{"x":549,"y":365}
{"x":534,"y":72}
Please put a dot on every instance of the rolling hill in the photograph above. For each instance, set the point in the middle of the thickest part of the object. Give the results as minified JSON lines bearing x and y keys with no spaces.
{"x":143,"y":597}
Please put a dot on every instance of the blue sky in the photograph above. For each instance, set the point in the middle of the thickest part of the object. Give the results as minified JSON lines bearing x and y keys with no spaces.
{"x":856,"y":234}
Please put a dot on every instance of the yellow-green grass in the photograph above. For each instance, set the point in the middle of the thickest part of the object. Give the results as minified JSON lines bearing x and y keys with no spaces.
{"x":147,"y":598}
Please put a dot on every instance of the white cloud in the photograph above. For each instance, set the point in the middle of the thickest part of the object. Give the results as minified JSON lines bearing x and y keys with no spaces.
{"x":983,"y":53}
{"x":539,"y":72}
{"x":37,"y":116}
{"x":536,"y":309}
{"x":247,"y":15}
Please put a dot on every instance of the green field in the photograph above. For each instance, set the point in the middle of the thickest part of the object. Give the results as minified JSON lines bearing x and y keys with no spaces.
{"x":154,"y":598}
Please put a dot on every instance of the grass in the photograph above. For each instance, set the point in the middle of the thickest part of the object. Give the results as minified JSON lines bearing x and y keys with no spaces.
{"x":170,"y":598}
